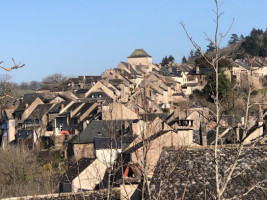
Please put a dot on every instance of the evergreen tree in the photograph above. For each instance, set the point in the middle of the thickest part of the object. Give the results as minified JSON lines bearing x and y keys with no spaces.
{"x":225,"y":86}
{"x":164,"y":61}
{"x":210,"y":47}
{"x":233,"y":39}
{"x":184,"y":60}
{"x":171,"y":58}
{"x":191,"y":54}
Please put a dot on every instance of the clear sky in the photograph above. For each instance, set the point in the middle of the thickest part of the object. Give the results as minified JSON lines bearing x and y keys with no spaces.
{"x":85,"y":37}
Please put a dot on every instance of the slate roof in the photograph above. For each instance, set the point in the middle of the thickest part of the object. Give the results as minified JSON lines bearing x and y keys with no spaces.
{"x":139,"y":53}
{"x":39,"y":111}
{"x":82,"y":91}
{"x":57,"y":107}
{"x":75,"y":169}
{"x":153,"y":116}
{"x":83,"y":109}
{"x":99,"y":128}
{"x":191,"y":172}
{"x":99,"y":94}
{"x":106,"y":143}
{"x":72,"y":107}
{"x":27,"y":99}
{"x":164,"y":71}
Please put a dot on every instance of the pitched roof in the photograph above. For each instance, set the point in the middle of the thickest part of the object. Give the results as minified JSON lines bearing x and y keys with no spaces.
{"x":56,"y":108}
{"x":106,"y":143}
{"x":29,"y":99}
{"x":139,"y":53}
{"x":101,"y":128}
{"x":75,"y":169}
{"x":191,"y":173}
{"x":39,"y":111}
{"x":83,"y":109}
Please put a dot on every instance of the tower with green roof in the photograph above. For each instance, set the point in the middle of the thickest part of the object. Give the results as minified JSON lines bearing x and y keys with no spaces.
{"x":140,"y":57}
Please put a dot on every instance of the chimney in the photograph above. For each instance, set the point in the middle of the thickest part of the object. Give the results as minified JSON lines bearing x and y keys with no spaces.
{"x":62,"y":106}
{"x":203,"y":134}
{"x":197,"y":69}
{"x":99,"y":106}
{"x":135,"y":128}
{"x":137,"y":110}
{"x":26,"y":105}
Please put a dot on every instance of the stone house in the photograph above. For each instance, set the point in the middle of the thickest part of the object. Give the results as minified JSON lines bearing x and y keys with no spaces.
{"x":117,"y":111}
{"x":82,"y":144}
{"x":108,"y":89}
{"x":8,"y":127}
{"x":83,"y":175}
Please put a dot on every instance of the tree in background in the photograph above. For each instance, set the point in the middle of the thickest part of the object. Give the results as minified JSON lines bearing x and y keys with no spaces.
{"x":225,"y":86}
{"x":184,"y":60}
{"x":166,"y":60}
{"x":205,"y":63}
{"x":54,"y":78}
{"x":211,"y":47}
{"x":256,"y":43}
{"x":234,"y":39}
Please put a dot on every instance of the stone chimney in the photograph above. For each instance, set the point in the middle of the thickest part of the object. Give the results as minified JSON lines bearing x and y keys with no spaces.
{"x":99,"y":106}
{"x":197,"y":69}
{"x":137,"y":110}
{"x":203,"y":134}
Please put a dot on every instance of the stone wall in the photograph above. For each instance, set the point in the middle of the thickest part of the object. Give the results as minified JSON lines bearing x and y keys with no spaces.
{"x":98,"y":194}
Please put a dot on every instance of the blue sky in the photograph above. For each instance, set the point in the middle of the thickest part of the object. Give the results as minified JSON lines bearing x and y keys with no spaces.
{"x":85,"y":37}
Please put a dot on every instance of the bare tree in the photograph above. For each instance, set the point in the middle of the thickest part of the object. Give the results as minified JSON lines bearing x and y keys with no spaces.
{"x":221,"y":183}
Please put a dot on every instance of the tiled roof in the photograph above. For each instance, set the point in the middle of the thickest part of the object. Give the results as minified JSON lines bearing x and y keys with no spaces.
{"x":39,"y":111}
{"x":106,"y":143}
{"x":101,"y":128}
{"x":56,"y":108}
{"x":26,"y":100}
{"x":191,"y":173}
{"x":139,"y":53}
{"x":84,"y":108}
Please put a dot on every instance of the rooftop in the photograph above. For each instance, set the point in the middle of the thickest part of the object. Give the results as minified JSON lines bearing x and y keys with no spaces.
{"x":139,"y":53}
{"x":191,"y":172}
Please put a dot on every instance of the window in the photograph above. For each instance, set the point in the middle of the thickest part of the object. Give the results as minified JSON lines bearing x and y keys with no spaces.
{"x":99,"y":133}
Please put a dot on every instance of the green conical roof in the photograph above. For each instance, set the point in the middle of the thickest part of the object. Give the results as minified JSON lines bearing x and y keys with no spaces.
{"x":139,"y":53}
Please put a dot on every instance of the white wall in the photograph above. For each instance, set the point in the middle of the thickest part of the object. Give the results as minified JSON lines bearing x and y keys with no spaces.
{"x":90,"y":177}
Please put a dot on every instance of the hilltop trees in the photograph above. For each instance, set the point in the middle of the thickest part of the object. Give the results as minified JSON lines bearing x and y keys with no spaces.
{"x":166,"y":60}
{"x":256,"y":43}
{"x":233,"y":39}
